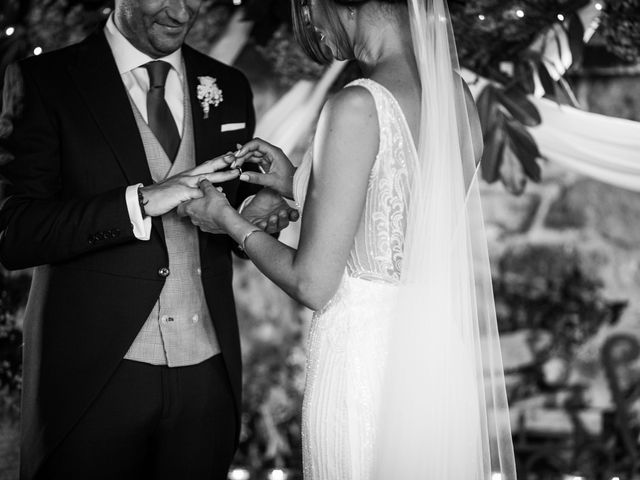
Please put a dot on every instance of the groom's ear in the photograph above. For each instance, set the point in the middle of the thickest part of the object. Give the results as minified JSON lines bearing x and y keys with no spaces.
{"x":11,"y":108}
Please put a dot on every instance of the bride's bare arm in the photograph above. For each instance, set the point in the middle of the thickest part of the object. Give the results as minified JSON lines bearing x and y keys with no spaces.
{"x":345,"y":148}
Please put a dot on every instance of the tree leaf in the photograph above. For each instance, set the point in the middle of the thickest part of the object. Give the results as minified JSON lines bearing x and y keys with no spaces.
{"x":525,"y":148}
{"x":511,"y":172}
{"x":523,"y":143}
{"x":492,"y":154}
{"x":519,"y":106}
{"x":524,"y":75}
{"x":572,"y":5}
{"x":576,"y":36}
{"x":545,"y":79}
{"x":487,"y":109}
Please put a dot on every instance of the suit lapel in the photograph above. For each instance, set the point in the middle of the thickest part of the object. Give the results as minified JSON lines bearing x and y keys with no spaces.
{"x":205,"y":133}
{"x":205,"y":137}
{"x":100,"y":84}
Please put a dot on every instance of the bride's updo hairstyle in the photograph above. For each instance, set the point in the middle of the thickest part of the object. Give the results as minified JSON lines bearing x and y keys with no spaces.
{"x":307,"y":36}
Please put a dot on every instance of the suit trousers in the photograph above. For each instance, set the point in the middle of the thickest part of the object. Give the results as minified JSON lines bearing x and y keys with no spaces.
{"x":152,"y":422}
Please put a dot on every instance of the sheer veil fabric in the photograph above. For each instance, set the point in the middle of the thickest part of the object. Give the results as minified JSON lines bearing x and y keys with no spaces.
{"x":444,"y":408}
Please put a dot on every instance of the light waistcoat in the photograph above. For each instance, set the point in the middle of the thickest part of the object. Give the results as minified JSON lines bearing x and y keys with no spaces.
{"x":179,"y":330}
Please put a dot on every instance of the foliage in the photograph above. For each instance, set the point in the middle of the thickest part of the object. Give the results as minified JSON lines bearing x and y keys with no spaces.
{"x":272,"y":331}
{"x":554,"y":294}
{"x":13,"y":296}
{"x":621,"y":29}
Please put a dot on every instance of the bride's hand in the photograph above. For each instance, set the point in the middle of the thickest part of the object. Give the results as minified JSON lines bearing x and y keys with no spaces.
{"x":277,"y":170}
{"x":210,"y":211}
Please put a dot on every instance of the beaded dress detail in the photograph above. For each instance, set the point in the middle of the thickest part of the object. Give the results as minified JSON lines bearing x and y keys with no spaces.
{"x":348,"y":337}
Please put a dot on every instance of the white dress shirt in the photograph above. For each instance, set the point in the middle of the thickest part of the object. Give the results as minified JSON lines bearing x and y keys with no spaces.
{"x":130,"y":62}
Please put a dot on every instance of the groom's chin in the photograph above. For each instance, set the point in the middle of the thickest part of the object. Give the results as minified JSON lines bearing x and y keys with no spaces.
{"x":166,"y":40}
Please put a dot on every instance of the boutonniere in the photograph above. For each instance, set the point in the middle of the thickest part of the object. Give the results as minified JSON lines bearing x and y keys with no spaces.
{"x":208,"y":94}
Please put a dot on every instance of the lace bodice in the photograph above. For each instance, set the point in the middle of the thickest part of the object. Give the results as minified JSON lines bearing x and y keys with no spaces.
{"x":379,"y":242}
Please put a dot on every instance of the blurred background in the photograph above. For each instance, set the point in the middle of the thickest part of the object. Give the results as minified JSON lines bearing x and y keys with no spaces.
{"x":557,"y":83}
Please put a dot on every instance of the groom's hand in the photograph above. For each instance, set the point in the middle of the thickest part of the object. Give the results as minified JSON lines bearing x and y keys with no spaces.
{"x":164,"y":196}
{"x":269,"y":211}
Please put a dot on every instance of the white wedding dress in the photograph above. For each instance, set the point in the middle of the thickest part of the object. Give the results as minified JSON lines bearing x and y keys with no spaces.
{"x":348,"y":338}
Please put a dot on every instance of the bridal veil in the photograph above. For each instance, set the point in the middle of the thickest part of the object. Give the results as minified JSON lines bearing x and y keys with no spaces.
{"x":444,"y":407}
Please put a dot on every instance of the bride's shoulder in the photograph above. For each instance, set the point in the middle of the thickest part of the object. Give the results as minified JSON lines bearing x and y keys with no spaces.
{"x":350,"y":105}
{"x":347,"y":129}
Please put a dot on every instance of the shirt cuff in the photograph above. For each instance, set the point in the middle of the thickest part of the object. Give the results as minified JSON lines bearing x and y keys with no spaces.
{"x":141,"y":226}
{"x":245,"y":203}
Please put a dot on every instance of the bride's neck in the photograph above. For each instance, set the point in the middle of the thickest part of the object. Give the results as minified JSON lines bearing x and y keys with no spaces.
{"x":385,"y":45}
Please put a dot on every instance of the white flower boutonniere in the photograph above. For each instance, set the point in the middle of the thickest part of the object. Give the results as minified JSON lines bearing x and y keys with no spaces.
{"x":208,"y":94}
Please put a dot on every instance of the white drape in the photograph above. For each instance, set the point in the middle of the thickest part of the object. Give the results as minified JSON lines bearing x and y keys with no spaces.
{"x":604,"y":148}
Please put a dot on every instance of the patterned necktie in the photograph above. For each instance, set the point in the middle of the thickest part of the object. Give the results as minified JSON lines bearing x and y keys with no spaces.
{"x":160,"y":120}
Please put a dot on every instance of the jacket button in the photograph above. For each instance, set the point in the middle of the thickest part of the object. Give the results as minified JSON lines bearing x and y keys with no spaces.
{"x":90,"y":240}
{"x":164,"y":272}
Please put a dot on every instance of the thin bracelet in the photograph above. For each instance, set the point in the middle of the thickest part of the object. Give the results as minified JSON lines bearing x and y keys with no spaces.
{"x":142,"y":202}
{"x":243,"y":243}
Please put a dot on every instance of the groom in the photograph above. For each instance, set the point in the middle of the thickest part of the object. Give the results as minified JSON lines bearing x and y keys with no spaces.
{"x":131,"y":356}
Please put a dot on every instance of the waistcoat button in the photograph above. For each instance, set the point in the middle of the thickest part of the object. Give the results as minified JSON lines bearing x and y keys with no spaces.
{"x":164,"y":272}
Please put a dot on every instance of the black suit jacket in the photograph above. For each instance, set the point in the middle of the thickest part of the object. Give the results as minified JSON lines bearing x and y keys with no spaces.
{"x":76,"y":148}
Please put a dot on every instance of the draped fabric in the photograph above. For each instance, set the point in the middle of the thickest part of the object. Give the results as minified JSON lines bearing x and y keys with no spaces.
{"x":604,"y":148}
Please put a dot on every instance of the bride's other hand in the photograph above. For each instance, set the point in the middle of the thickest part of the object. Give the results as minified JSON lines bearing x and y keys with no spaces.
{"x":277,"y":169}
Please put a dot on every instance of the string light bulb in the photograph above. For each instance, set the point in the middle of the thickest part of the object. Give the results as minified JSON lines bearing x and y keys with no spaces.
{"x":520,"y":13}
{"x":481,"y":17}
{"x":237,"y":2}
{"x":239,"y":474}
{"x":9,"y":31}
{"x":561,"y":17}
{"x":598,"y":6}
{"x":277,"y":474}
{"x":37,"y":50}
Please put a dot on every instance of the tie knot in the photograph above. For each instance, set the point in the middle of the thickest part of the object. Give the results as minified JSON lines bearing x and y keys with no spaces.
{"x":158,"y":71}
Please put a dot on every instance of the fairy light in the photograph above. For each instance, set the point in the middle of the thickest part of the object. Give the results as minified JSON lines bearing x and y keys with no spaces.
{"x":561,"y":17}
{"x":481,"y":17}
{"x":239,"y":474}
{"x":277,"y":474}
{"x":615,"y":478}
{"x":520,"y":13}
{"x":37,"y":50}
{"x":237,"y":2}
{"x":106,"y":11}
{"x":9,"y":31}
{"x":598,"y":6}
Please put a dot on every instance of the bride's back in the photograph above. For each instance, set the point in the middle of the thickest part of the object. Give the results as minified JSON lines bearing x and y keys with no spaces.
{"x":379,"y":242}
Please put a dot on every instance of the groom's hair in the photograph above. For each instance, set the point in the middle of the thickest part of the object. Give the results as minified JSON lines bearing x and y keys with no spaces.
{"x":307,"y":36}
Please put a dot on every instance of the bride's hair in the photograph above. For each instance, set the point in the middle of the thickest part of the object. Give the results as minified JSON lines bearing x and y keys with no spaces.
{"x":307,"y":36}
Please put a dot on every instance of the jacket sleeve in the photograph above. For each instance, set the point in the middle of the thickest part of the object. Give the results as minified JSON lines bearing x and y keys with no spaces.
{"x":39,"y":222}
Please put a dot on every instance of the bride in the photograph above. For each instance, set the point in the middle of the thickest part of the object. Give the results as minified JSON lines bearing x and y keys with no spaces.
{"x":404,"y":376}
